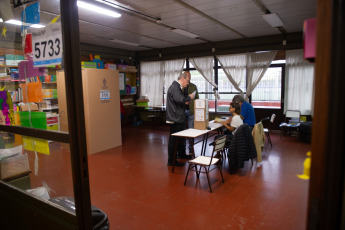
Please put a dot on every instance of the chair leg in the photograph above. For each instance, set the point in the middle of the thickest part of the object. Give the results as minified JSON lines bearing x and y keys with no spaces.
{"x":221,"y":174}
{"x":200,"y":170}
{"x":189,"y":166}
{"x":269,"y":139}
{"x":196,"y":171}
{"x":208,"y":179}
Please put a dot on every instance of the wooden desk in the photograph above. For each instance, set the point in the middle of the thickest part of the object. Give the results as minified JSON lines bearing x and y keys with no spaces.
{"x":154,"y":109}
{"x":194,"y":133}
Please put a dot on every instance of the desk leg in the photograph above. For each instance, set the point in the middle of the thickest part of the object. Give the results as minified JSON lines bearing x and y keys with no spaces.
{"x":204,"y":143}
{"x":193,"y":152}
{"x":175,"y":153}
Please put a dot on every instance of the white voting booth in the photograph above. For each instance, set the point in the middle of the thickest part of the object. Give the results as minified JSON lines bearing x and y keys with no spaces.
{"x":201,"y":117}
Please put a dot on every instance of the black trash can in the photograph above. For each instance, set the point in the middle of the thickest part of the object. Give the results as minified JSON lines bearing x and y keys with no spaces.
{"x":99,"y":218}
{"x":305,"y":130}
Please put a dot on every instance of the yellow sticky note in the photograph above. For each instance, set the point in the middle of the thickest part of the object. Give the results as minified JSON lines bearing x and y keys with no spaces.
{"x":31,"y":144}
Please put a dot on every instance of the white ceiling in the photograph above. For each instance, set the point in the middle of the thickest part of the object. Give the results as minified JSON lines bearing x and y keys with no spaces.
{"x":211,"y":20}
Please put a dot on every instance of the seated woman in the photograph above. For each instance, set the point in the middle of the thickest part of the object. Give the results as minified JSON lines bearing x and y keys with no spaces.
{"x":233,"y":122}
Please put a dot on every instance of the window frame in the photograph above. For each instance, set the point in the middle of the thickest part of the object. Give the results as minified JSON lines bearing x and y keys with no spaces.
{"x":216,"y":67}
{"x":281,"y":65}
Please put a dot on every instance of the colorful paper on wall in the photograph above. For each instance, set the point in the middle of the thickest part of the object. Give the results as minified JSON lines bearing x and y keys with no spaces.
{"x":32,"y":92}
{"x":27,"y":70}
{"x":38,"y":119}
{"x":35,"y":144}
{"x":10,"y":106}
{"x":31,"y":14}
{"x":5,"y":108}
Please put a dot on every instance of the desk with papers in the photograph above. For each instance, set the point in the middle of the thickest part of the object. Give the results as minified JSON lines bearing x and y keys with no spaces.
{"x":194,"y":133}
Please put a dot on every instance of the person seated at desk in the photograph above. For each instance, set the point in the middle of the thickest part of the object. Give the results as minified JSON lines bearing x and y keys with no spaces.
{"x":247,"y":111}
{"x":233,"y":122}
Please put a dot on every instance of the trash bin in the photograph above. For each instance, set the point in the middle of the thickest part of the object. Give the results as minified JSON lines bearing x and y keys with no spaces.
{"x":99,"y":218}
{"x":305,"y":130}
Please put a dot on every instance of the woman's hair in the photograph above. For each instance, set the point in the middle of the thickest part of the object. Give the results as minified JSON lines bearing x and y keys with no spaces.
{"x":238,"y":98}
{"x":237,"y":107}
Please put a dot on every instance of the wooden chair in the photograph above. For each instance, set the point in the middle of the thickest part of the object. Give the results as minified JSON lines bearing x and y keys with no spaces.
{"x":208,"y":163}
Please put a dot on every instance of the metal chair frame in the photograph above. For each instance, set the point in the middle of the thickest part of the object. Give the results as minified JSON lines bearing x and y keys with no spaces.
{"x":267,"y":130}
{"x":287,"y":126}
{"x":206,"y":162}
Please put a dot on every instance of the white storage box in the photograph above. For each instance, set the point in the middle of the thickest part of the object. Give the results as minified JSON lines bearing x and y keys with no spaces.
{"x":14,"y":165}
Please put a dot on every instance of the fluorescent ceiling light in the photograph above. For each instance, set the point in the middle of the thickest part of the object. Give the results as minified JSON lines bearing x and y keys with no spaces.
{"x":1,"y":20}
{"x":124,"y":42}
{"x":37,"y":26}
{"x":273,"y":19}
{"x":185,"y":33}
{"x":19,"y":23}
{"x":14,"y":22}
{"x":98,"y":9}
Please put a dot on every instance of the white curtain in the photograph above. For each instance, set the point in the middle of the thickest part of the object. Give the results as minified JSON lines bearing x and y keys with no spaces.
{"x":151,"y":84}
{"x":257,"y":64}
{"x":172,"y":69}
{"x":234,"y":67}
{"x":204,"y":66}
{"x":299,"y":83}
{"x":155,"y":74}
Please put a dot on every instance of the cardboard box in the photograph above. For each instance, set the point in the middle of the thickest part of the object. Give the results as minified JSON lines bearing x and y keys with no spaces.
{"x":201,"y":116}
{"x":102,"y":117}
{"x":14,"y":165}
{"x":33,"y":107}
{"x":132,"y":69}
{"x":122,"y":68}
{"x":110,"y":66}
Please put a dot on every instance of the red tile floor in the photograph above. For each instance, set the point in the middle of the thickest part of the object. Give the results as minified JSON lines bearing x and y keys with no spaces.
{"x":136,"y":188}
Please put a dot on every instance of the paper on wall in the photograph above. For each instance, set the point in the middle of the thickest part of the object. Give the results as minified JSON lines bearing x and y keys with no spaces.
{"x":122,"y":81}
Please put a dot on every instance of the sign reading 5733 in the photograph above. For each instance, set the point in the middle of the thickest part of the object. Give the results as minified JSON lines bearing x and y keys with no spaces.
{"x":47,"y":45}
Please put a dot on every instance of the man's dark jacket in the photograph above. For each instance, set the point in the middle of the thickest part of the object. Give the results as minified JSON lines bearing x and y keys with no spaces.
{"x":176,"y":103}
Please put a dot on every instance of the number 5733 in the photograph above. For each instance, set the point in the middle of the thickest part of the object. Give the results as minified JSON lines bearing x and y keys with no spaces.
{"x":47,"y":48}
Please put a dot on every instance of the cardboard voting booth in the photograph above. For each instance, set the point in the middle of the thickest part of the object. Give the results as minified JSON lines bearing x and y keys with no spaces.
{"x":201,"y":117}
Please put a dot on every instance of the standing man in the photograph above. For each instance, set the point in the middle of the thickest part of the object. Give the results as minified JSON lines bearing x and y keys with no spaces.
{"x":189,"y":110}
{"x":247,"y":111}
{"x":175,"y":116}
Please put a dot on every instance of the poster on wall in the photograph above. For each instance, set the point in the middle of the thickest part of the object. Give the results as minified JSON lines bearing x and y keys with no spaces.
{"x":47,"y":45}
{"x":122,"y":83}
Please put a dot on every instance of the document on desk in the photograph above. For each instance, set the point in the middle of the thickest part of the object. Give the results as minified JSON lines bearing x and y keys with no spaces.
{"x":218,"y":119}
{"x":214,"y":125}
